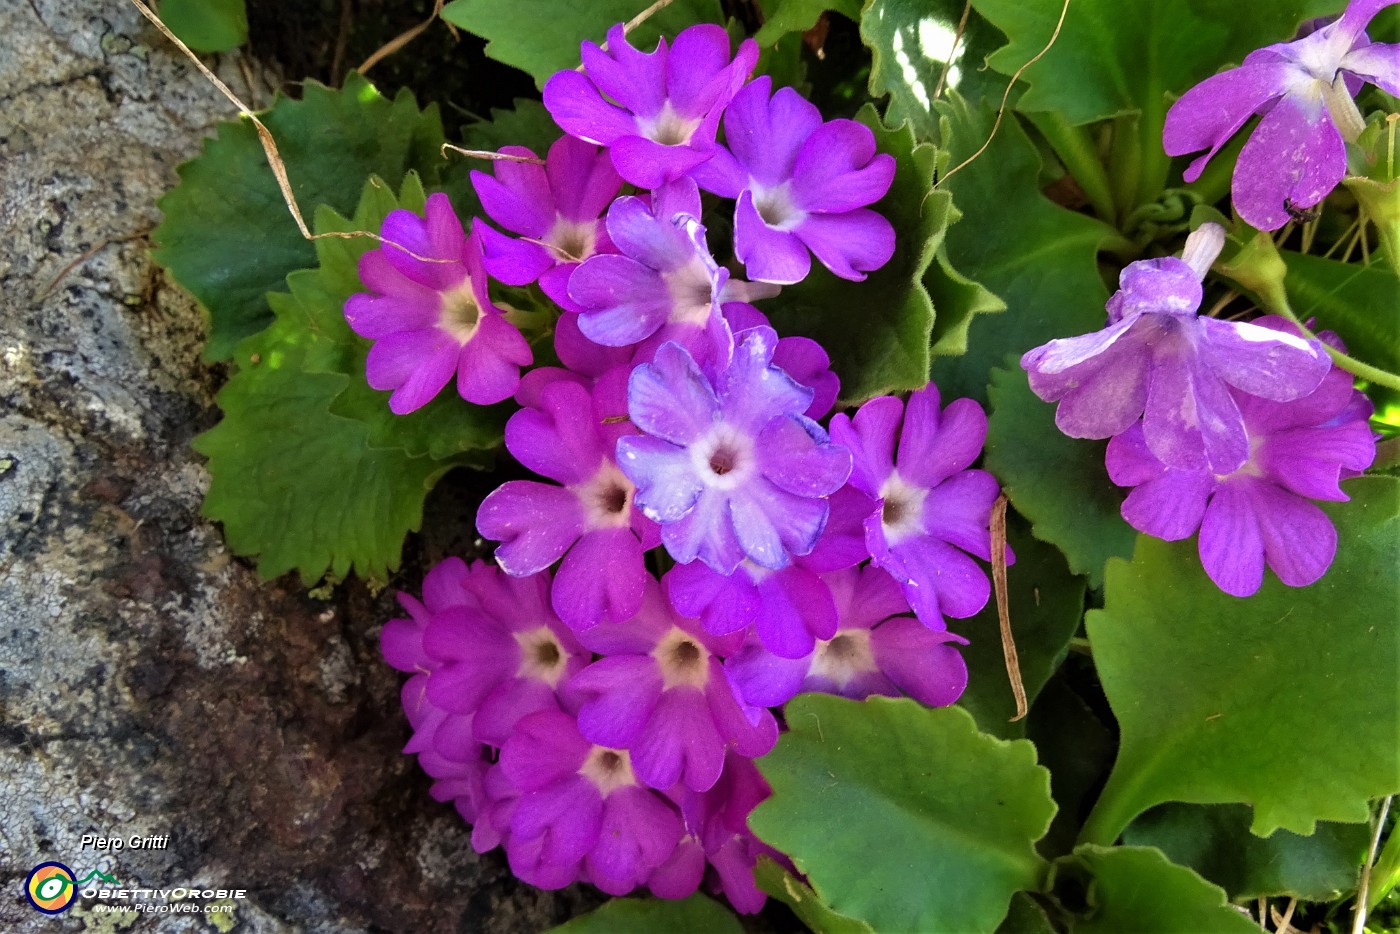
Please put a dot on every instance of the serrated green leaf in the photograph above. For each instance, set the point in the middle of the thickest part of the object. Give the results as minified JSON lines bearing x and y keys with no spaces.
{"x":1356,"y":301}
{"x":798,"y":895}
{"x":227,"y":236}
{"x":1046,"y":604}
{"x":877,"y":331}
{"x":694,"y":915}
{"x":1105,"y":63}
{"x":909,"y":41}
{"x":1285,"y":700}
{"x":207,"y":25}
{"x":541,"y":37}
{"x":1059,"y":483}
{"x":527,"y":124}
{"x":874,"y":799}
{"x":1215,"y":841}
{"x":1137,"y":889}
{"x":956,"y":301}
{"x":1037,"y":257}
{"x":300,"y":487}
{"x":798,"y":16}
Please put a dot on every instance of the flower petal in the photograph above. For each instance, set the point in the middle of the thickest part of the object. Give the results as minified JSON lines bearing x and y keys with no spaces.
{"x":534,"y":522}
{"x":849,"y":244}
{"x":1292,"y":160}
{"x":1231,"y":546}
{"x":1206,"y":116}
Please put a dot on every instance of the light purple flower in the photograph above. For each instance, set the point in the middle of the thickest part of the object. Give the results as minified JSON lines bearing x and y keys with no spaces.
{"x":665,"y":285}
{"x":876,"y":649}
{"x":661,"y":693}
{"x":657,"y":112}
{"x":801,"y":185}
{"x":931,"y":512}
{"x":730,"y":468}
{"x":1297,"y":153}
{"x":1299,"y":451}
{"x":1160,"y":361}
{"x":431,"y":317}
{"x":581,"y":810}
{"x":799,"y":357}
{"x":589,"y":521}
{"x":556,"y":208}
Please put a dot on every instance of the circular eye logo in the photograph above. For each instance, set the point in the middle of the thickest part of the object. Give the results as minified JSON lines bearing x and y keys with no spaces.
{"x":50,"y":888}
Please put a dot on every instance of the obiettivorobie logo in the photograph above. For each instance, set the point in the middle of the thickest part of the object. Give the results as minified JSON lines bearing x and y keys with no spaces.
{"x":51,"y":887}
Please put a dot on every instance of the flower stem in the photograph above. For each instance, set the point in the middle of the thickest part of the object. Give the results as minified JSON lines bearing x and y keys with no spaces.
{"x":1366,"y":371}
{"x":1079,"y":153}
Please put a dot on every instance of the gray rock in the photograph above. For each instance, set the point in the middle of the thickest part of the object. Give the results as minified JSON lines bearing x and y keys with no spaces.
{"x":150,"y":684}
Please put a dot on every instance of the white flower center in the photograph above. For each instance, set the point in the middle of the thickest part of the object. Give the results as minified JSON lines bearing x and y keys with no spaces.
{"x":843,"y":658}
{"x":459,"y":312}
{"x":608,"y":769}
{"x":776,"y":207}
{"x":572,"y":241}
{"x":542,"y":656}
{"x":684,"y":662}
{"x":606,"y":498}
{"x":724,"y":458}
{"x":902,"y":512}
{"x":668,"y":127}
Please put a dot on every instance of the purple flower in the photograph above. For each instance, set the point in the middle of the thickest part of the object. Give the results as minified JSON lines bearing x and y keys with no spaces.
{"x":801,"y":185}
{"x":730,"y":468}
{"x":931,"y":511}
{"x":876,"y":649}
{"x":665,"y":285}
{"x":1159,"y":361}
{"x":556,"y":208}
{"x":430,"y":317}
{"x":1297,"y":154}
{"x":1299,"y":451}
{"x":581,"y":810}
{"x":790,"y":608}
{"x":661,"y":693}
{"x":799,"y":357}
{"x":588,"y":521}
{"x":661,"y":109}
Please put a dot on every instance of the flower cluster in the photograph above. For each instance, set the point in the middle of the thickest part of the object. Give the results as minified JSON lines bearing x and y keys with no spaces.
{"x":1225,"y":427}
{"x":698,"y":548}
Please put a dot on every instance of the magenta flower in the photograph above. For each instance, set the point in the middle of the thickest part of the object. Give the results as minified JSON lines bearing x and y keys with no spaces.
{"x":802,"y":185}
{"x":1299,"y":451}
{"x":1304,"y":89}
{"x":931,"y":512}
{"x":660,"y":693}
{"x":581,"y":810}
{"x":429,"y":316}
{"x":1159,"y":361}
{"x":665,"y":285}
{"x":556,"y":209}
{"x":588,"y":520}
{"x":876,"y":649}
{"x":661,"y":109}
{"x":730,"y":468}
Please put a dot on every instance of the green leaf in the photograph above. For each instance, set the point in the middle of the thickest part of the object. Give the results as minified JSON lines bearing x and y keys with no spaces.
{"x":789,"y":16}
{"x":878,"y":331}
{"x":541,"y":37}
{"x":956,"y":300}
{"x":1025,"y":917}
{"x":1059,"y":483}
{"x":1356,"y":301}
{"x":528,"y":124}
{"x":1137,"y":889}
{"x":207,"y":25}
{"x":1223,"y":701}
{"x":1077,"y":748}
{"x":697,"y":914}
{"x":909,"y":41}
{"x":301,"y":488}
{"x":1215,"y":841}
{"x":874,"y":799}
{"x":227,"y":236}
{"x":1105,"y":63}
{"x":797,"y":895}
{"x":1037,"y":257}
{"x":1046,"y":604}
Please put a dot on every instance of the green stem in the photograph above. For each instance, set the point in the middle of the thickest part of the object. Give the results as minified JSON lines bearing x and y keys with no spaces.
{"x":1154,"y":163}
{"x":1386,"y":872}
{"x":1078,"y":151}
{"x":1125,"y":164}
{"x":1109,"y":818}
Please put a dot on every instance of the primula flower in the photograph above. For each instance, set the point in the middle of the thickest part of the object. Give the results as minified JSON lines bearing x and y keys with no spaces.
{"x":661,"y":109}
{"x":665,"y":285}
{"x":730,"y":468}
{"x":930,"y":510}
{"x":429,"y":316}
{"x":557,"y":208}
{"x":1160,"y":361}
{"x":801,"y":185}
{"x":581,"y":810}
{"x":588,"y":521}
{"x":1299,"y":451}
{"x":661,"y":693}
{"x":1304,"y":89}
{"x":876,"y":649}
